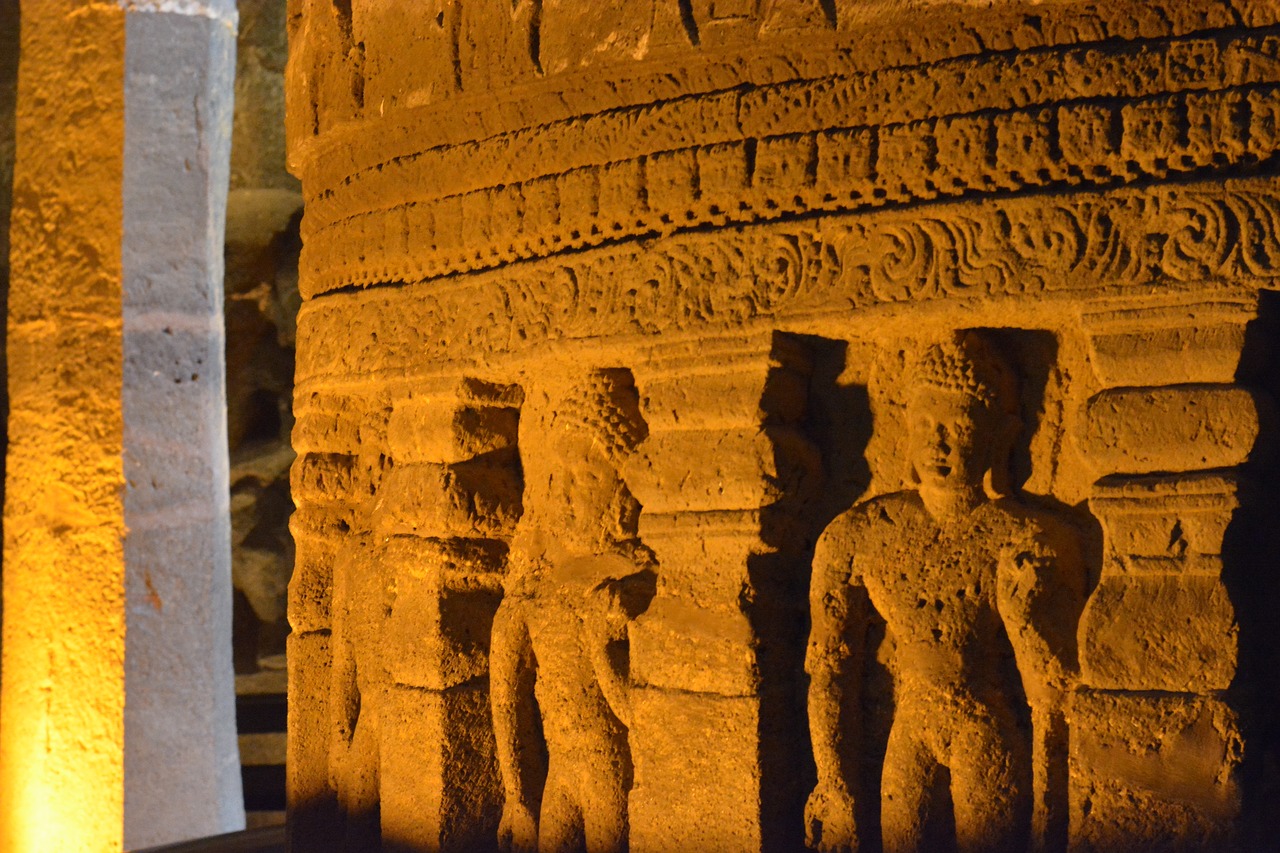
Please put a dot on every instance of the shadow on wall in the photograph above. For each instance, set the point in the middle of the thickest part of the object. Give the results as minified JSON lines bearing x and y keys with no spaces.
{"x":1250,"y":550}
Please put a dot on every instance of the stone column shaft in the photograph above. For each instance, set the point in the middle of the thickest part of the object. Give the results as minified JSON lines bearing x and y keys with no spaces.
{"x":118,"y":703}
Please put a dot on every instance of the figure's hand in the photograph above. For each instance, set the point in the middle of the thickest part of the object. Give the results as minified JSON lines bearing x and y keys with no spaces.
{"x":518,"y":828}
{"x":606,"y":613}
{"x":828,"y":820}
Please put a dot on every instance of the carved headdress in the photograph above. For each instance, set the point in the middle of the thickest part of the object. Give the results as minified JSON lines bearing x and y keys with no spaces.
{"x":967,"y":363}
{"x":605,"y":405}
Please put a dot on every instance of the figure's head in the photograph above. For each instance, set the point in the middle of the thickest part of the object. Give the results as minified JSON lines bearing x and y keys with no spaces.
{"x":961,"y":414}
{"x":593,"y":429}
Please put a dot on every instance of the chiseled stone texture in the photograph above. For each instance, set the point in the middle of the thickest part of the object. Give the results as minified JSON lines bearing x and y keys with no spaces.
{"x":783,"y":410}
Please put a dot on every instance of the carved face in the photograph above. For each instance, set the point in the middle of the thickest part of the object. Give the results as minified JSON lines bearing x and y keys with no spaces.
{"x":583,"y":497}
{"x":950,"y":438}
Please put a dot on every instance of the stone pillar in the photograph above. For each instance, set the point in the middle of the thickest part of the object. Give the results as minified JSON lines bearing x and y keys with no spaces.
{"x":724,"y":478}
{"x":449,"y":510}
{"x":438,"y":511}
{"x":1159,"y":637}
{"x":118,"y":705}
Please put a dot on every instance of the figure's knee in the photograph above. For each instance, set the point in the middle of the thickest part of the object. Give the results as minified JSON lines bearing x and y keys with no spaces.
{"x":992,"y":804}
{"x":905,"y":784}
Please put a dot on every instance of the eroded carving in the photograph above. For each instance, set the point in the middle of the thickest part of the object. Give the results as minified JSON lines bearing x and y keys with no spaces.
{"x":963,"y":573}
{"x":577,"y":575}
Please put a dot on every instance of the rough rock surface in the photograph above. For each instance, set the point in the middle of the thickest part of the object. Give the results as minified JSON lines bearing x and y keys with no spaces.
{"x":732,"y":425}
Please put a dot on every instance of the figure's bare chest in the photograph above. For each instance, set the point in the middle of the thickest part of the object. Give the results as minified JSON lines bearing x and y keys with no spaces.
{"x":928,"y":577}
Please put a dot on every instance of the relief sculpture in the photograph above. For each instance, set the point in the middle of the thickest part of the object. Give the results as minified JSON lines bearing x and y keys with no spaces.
{"x":559,"y":656}
{"x":970,"y":581}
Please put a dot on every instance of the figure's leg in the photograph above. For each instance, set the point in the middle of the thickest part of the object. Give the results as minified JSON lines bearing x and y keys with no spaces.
{"x":905,"y":785}
{"x":604,"y":812}
{"x":360,"y":792}
{"x":991,"y":784}
{"x":560,"y":822}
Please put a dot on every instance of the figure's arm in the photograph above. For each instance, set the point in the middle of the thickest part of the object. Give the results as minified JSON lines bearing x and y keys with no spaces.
{"x":511,"y":679}
{"x":344,"y":689}
{"x":1040,"y":596}
{"x":612,"y":607}
{"x":834,"y":663}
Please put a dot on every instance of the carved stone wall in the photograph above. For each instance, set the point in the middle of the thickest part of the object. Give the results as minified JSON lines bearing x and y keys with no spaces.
{"x":795,"y":421}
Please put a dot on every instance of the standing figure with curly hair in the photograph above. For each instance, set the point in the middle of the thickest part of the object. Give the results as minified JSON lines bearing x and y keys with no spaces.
{"x":970,"y":581}
{"x":576,"y":577}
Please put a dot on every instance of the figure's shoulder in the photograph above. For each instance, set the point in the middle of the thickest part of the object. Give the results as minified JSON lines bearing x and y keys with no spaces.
{"x":1031,"y":524}
{"x":891,"y":509}
{"x":883,"y":511}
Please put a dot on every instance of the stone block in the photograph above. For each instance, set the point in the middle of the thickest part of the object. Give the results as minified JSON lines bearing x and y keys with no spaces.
{"x":173,"y":381}
{"x":1168,"y":345}
{"x":1182,"y":428}
{"x":722,"y":171}
{"x":440,"y":788}
{"x":683,"y":646}
{"x":1151,"y":133}
{"x":1153,"y":773}
{"x":173,"y":479}
{"x":1024,"y":147}
{"x":311,"y":584}
{"x":407,"y":52}
{"x":178,"y":624}
{"x":470,"y":499}
{"x":438,"y":638}
{"x":1165,"y":517}
{"x":179,"y":109}
{"x":1217,"y":129}
{"x":965,"y":148}
{"x":724,"y":401}
{"x":1089,"y":135}
{"x":846,"y":158}
{"x":678,"y":738}
{"x":709,"y":470}
{"x":786,"y":168}
{"x":905,"y":161}
{"x":1264,"y":125}
{"x":1159,"y":632}
{"x":672,"y":184}
{"x":623,"y":194}
{"x":704,"y":555}
{"x":325,"y":478}
{"x":580,"y":193}
{"x":432,"y":430}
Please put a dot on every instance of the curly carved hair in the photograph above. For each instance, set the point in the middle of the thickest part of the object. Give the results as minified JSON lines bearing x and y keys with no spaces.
{"x":606,"y":405}
{"x":967,"y":363}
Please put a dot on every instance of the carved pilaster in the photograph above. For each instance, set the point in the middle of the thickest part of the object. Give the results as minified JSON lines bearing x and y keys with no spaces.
{"x":442,"y":523}
{"x":721,"y":477}
{"x":1166,"y":436}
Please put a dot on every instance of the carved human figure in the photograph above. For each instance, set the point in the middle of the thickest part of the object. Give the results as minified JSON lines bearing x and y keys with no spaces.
{"x":359,"y":679}
{"x":961,"y":572}
{"x":577,"y":575}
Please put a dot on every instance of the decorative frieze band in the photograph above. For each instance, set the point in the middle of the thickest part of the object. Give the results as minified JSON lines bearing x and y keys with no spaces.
{"x":836,"y":144}
{"x":1130,"y":240}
